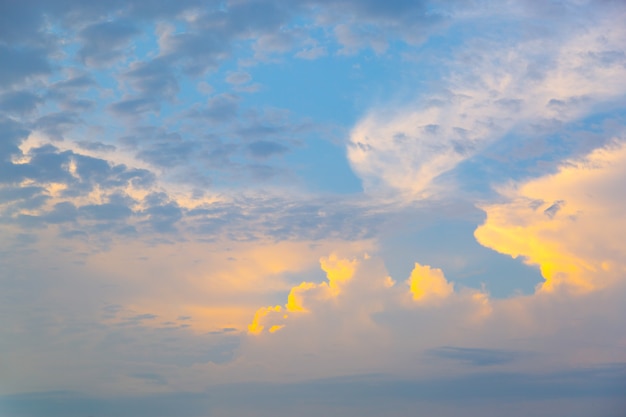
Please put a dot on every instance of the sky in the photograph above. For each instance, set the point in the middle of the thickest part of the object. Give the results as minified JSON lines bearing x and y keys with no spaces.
{"x":347,"y":208}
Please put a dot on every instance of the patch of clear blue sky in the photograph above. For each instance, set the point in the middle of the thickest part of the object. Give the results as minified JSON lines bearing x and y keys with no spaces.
{"x":333,"y":90}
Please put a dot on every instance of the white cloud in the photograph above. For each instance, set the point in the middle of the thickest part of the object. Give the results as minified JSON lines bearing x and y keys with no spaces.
{"x":562,"y":78}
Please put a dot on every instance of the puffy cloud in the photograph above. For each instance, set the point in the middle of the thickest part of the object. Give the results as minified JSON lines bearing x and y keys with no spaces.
{"x":568,"y":223}
{"x":360,"y":295}
{"x":338,"y":272}
{"x":256,"y":327}
{"x":428,"y":283}
{"x":372,"y":327}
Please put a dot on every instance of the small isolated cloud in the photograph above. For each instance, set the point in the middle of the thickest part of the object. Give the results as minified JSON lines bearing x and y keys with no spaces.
{"x":429,"y":284}
{"x":238,"y":78}
{"x":312,"y":53}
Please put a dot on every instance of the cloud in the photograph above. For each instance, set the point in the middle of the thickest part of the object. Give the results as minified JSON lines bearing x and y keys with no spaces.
{"x":12,"y":133}
{"x":474,"y":356}
{"x":428,"y":284}
{"x":404,"y":148}
{"x":169,"y":151}
{"x":95,"y":146}
{"x":360,"y":291}
{"x":314,"y":52}
{"x":238,"y":78}
{"x":370,"y":24}
{"x":163,"y":214}
{"x":161,"y":225}
{"x":264,"y":149}
{"x":103,"y":42}
{"x":93,"y":183}
{"x":221,"y":108}
{"x":566,"y":223}
{"x":19,"y":102}
{"x":338,"y":272}
{"x":55,"y":125}
{"x":20,"y":23}
{"x":21,"y":64}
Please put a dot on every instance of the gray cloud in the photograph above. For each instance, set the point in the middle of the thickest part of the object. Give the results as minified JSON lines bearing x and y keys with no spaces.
{"x":95,"y":146}
{"x":475,"y":356}
{"x":133,"y":107}
{"x":47,"y":165}
{"x":162,"y":213}
{"x":104,"y":42}
{"x":57,"y":124}
{"x":18,"y":65}
{"x":264,"y":149}
{"x":106,"y":211}
{"x":153,"y":78}
{"x":20,"y":23}
{"x":152,"y":81}
{"x":8,"y":194}
{"x":221,"y":108}
{"x":73,"y":83}
{"x":68,"y":93}
{"x":168,"y":153}
{"x":19,"y":103}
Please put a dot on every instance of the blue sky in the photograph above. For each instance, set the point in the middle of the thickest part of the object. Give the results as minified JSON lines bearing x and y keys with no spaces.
{"x":351,"y":208}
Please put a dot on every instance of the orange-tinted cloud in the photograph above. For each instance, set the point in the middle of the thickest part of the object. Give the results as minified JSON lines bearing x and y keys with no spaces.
{"x":428,"y":283}
{"x":570,"y":224}
{"x":338,"y":272}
